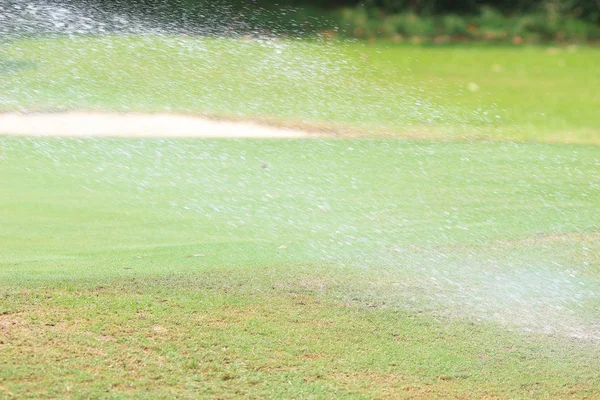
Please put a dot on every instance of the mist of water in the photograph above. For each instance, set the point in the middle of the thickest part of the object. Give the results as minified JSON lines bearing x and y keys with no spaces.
{"x":200,"y":18}
{"x":312,"y":80}
{"x":270,"y":69}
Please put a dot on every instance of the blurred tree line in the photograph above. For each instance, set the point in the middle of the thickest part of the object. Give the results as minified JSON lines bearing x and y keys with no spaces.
{"x":582,"y":9}
{"x":439,"y":21}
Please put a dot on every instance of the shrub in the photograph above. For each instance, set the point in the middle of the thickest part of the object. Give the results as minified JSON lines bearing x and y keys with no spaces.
{"x":488,"y":24}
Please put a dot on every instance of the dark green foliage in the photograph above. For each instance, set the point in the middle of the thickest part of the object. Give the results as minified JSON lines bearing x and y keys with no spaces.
{"x":489,"y":25}
{"x":588,"y":10}
{"x":490,"y":20}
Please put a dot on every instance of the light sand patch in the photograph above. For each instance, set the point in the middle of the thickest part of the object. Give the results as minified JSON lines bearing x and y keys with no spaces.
{"x":88,"y":124}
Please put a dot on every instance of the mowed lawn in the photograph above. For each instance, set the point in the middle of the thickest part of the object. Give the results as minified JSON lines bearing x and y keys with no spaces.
{"x":532,"y":93}
{"x":323,"y":268}
{"x":365,"y":267}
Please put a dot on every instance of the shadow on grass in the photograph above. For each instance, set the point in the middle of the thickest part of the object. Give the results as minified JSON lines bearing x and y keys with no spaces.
{"x":10,"y":66}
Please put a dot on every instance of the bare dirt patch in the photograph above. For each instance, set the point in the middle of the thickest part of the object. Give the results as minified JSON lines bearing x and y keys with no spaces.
{"x":10,"y":322}
{"x":92,"y":124}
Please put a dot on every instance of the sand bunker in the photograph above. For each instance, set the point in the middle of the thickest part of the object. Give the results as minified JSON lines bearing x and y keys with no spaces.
{"x":84,"y":124}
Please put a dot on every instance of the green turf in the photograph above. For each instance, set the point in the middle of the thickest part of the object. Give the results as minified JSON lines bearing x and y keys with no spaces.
{"x":157,"y":268}
{"x":535,"y":93}
{"x":361,"y":268}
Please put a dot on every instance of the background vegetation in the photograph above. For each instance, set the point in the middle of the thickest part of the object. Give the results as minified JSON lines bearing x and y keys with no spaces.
{"x":429,"y":20}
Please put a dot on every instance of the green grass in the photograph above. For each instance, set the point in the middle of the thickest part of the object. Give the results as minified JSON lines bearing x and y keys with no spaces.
{"x":370,"y":267}
{"x":410,"y":268}
{"x":531,"y":93}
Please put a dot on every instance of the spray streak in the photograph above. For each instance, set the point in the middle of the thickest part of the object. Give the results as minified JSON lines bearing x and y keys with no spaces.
{"x":393,"y":257}
{"x":210,"y":59}
{"x":286,"y":77}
